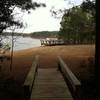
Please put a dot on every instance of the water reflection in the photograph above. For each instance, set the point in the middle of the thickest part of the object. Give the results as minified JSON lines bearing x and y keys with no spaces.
{"x":22,"y":42}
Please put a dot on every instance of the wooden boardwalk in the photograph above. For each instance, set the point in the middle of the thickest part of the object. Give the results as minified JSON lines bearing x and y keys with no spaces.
{"x":49,"y":84}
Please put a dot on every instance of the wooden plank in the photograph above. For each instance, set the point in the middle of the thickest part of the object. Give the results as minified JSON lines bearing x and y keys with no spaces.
{"x":50,"y":98}
{"x":51,"y":82}
{"x":51,"y":91}
{"x":49,"y":74}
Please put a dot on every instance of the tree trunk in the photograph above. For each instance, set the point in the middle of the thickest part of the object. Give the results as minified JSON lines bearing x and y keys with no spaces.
{"x":97,"y":64}
{"x":97,"y":54}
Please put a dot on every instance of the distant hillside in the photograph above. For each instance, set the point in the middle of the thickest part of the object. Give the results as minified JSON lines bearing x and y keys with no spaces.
{"x":9,"y":34}
{"x":44,"y":34}
{"x":40,"y":34}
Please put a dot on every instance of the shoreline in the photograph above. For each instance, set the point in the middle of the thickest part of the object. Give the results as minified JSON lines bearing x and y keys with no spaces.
{"x":21,"y":43}
{"x":54,"y":46}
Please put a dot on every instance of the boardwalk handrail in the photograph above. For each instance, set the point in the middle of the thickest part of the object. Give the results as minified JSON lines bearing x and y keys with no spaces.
{"x":29,"y":81}
{"x":71,"y":80}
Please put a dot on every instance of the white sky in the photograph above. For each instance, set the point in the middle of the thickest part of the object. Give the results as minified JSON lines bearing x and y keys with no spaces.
{"x":41,"y":18}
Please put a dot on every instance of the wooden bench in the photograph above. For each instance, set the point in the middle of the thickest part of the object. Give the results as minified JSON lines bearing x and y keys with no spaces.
{"x":71,"y":80}
{"x":29,"y":81}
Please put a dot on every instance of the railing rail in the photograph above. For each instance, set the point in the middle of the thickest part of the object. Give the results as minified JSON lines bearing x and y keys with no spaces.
{"x":71,"y":80}
{"x":29,"y":81}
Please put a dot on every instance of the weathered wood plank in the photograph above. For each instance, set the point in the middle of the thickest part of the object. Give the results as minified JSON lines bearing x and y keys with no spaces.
{"x":51,"y":91}
{"x":51,"y":74}
{"x":50,"y":98}
{"x":51,"y":82}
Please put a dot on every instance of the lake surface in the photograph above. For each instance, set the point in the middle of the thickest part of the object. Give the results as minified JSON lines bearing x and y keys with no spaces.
{"x":22,"y":42}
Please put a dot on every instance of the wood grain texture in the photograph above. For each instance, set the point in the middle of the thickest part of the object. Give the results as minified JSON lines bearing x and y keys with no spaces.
{"x":50,"y":85}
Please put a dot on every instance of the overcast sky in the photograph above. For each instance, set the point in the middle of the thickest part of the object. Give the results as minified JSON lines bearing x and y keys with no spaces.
{"x":41,"y":19}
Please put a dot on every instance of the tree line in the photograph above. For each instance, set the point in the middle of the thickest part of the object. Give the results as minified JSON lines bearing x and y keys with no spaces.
{"x":44,"y":34}
{"x":78,"y":23}
{"x":40,"y":34}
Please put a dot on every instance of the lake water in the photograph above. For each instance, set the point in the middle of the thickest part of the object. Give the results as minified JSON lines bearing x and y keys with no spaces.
{"x":22,"y":42}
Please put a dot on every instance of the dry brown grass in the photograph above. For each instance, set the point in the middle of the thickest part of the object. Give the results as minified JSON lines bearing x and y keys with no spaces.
{"x":75,"y":56}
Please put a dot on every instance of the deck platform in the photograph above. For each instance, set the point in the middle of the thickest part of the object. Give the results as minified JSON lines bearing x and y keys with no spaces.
{"x":52,"y":42}
{"x":49,"y":84}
